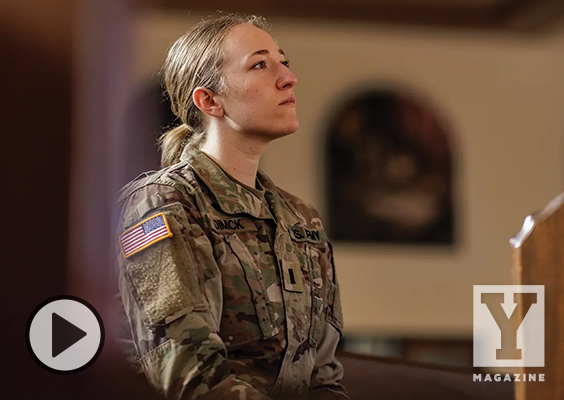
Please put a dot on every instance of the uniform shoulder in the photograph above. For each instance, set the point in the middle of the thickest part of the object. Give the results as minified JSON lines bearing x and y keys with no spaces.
{"x":178,"y":176}
{"x":155,"y":189}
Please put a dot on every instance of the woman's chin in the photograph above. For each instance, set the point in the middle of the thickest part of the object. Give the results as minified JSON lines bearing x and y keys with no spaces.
{"x":289,"y":131}
{"x":293,"y":127}
{"x":285,"y":130}
{"x":275,"y":131}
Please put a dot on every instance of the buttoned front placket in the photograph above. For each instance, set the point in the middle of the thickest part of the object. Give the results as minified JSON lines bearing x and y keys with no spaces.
{"x":297,"y":365}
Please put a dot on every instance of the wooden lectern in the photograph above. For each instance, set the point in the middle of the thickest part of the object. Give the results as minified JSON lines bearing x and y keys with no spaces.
{"x":538,"y":259}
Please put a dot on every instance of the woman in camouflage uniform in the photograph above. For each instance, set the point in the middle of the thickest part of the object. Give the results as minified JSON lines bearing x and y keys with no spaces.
{"x":227,"y":280}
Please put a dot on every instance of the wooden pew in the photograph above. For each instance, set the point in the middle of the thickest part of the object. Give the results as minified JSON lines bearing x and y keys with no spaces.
{"x":538,"y":259}
{"x":386,"y":378}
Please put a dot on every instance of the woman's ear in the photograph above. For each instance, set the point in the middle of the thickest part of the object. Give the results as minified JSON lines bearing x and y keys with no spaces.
{"x":205,"y":100}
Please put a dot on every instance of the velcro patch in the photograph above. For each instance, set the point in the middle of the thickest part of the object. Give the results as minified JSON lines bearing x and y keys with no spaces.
{"x":301,"y":234}
{"x":292,"y":276}
{"x":144,"y":234}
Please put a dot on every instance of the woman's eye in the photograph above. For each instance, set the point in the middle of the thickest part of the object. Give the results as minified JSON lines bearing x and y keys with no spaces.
{"x":262,"y":64}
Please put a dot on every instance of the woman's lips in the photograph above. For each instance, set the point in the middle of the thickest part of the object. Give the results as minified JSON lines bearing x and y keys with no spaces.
{"x":290,"y":101}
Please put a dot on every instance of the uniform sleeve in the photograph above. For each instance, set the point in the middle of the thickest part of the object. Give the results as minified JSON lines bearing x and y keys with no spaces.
{"x":328,"y":371}
{"x":165,"y":290}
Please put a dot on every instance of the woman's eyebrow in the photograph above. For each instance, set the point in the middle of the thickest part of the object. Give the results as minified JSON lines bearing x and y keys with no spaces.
{"x":265,"y":52}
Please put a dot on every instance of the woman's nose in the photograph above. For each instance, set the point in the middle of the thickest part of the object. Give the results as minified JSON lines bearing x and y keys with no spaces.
{"x":287,"y":80}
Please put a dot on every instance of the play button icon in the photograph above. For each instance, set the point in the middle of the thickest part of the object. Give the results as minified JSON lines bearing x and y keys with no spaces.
{"x":65,"y":334}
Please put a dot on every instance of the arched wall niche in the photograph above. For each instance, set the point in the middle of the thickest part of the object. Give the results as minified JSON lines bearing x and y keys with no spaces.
{"x":391,"y":162}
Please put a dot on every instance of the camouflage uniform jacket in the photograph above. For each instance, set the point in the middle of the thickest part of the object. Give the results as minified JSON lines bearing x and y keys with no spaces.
{"x":236,"y":298}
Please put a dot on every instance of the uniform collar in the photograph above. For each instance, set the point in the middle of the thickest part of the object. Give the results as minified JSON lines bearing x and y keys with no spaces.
{"x":234,"y":198}
{"x":278,"y":205}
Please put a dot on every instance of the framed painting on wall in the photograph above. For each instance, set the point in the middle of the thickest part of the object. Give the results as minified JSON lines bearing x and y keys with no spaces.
{"x":389,"y":171}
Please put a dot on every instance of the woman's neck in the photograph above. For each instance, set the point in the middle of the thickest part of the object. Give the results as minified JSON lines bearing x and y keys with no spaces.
{"x":239,"y":158}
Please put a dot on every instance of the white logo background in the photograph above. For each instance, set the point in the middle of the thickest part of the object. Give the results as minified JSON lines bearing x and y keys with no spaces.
{"x":487,"y":335}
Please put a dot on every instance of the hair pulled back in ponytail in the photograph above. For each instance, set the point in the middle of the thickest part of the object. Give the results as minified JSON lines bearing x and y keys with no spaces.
{"x":195,"y":60}
{"x":171,"y":142}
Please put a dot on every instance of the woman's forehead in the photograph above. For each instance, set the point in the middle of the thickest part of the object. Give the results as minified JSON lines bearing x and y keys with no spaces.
{"x":243,"y":40}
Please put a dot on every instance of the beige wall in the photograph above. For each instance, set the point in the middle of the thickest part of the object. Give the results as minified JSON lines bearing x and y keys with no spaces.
{"x":504,"y":96}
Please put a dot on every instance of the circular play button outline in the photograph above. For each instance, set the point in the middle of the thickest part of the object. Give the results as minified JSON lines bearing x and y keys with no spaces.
{"x":63,"y":310}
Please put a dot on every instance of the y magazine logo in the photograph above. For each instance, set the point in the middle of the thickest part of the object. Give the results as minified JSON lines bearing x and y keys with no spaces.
{"x":502,"y":337}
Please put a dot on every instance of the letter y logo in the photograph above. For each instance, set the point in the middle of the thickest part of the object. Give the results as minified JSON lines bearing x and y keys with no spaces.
{"x":508,"y":326}
{"x":505,"y":338}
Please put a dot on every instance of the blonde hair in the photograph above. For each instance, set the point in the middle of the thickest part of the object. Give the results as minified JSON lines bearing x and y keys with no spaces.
{"x":195,"y":60}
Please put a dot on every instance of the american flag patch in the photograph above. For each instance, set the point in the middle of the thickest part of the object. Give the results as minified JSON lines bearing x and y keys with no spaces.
{"x":144,"y":234}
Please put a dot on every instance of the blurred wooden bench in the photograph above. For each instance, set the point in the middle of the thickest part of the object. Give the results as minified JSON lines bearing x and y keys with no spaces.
{"x":538,"y":259}
{"x":386,"y":378}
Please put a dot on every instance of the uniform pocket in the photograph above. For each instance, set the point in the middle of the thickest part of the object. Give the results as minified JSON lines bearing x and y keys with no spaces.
{"x":315,"y":260}
{"x":264,"y":310}
{"x":325,"y":302}
{"x":334,"y":312}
